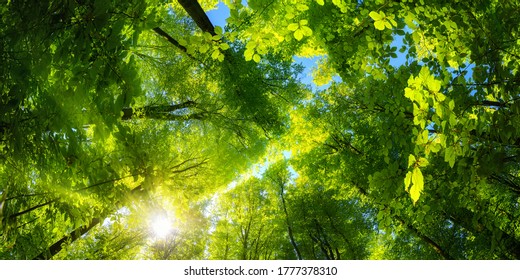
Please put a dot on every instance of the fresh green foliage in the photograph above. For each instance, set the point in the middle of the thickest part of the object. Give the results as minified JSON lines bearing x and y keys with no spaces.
{"x":112,"y":112}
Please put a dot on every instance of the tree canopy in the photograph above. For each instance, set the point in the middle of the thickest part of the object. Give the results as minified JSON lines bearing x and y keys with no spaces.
{"x":117,"y":114}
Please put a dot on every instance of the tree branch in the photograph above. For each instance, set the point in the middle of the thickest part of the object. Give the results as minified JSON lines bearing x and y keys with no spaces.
{"x":174,"y":42}
{"x":193,"y":8}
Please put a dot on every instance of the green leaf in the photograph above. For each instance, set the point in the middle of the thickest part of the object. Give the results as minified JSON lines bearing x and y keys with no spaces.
{"x":409,"y":93}
{"x":248,"y":54}
{"x":453,"y":64}
{"x":208,"y":36}
{"x":320,"y":2}
{"x":302,"y":7}
{"x":298,"y":34}
{"x":218,"y":30}
{"x":256,"y":58}
{"x":215,"y":54}
{"x":433,"y":84}
{"x":440,"y":97}
{"x":204,"y":48}
{"x":407,"y":180}
{"x":423,"y":162}
{"x":380,"y":25}
{"x":224,"y":46}
{"x":306,"y":31}
{"x":375,"y":16}
{"x":417,"y":185}
{"x":411,"y":160}
{"x":252,"y":44}
{"x":293,"y":26}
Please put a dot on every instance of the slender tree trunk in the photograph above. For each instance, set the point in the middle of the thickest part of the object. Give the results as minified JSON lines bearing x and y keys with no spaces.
{"x":56,"y":247}
{"x":414,"y":230}
{"x":174,"y":42}
{"x":193,"y":8}
{"x":162,"y":112}
{"x":289,"y":227}
{"x":426,"y":239}
{"x":12,"y":216}
{"x":340,"y":233}
{"x":511,"y":245}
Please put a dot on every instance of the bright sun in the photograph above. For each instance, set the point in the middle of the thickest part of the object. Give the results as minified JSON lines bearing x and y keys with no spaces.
{"x":161,"y":226}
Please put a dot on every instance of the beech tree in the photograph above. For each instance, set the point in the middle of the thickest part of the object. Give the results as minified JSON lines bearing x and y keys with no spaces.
{"x":405,"y":145}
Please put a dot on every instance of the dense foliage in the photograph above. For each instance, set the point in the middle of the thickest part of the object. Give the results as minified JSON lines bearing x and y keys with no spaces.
{"x":406,"y":145}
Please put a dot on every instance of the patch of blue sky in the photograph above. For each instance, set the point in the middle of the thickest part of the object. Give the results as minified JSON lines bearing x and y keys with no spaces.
{"x":398,"y":42}
{"x":219,"y":15}
{"x":306,"y":75}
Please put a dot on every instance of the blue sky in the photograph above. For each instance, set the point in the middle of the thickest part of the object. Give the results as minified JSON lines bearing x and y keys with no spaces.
{"x":218,"y":18}
{"x":219,"y":15}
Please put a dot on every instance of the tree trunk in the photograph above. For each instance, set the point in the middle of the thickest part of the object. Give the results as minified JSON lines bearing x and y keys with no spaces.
{"x":56,"y":247}
{"x":289,"y":227}
{"x":193,"y":8}
{"x":414,"y":230}
{"x":162,"y":112}
{"x":174,"y":42}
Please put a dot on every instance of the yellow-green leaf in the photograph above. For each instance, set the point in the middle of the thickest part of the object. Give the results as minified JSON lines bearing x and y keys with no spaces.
{"x":261,"y":49}
{"x":204,"y":48}
{"x":423,"y":162}
{"x":215,"y":54}
{"x":380,"y":25}
{"x":248,"y":54}
{"x":433,"y":84}
{"x":375,"y":16}
{"x":207,"y":36}
{"x":256,"y":58}
{"x":411,"y":160}
{"x":409,"y":93}
{"x":306,"y":31}
{"x":407,"y":180}
{"x":218,"y":30}
{"x":293,"y":26}
{"x":453,"y":64}
{"x":320,"y":2}
{"x":224,"y":46}
{"x":302,"y":7}
{"x":417,"y":184}
{"x":440,"y":97}
{"x":251,"y":45}
{"x":298,"y":34}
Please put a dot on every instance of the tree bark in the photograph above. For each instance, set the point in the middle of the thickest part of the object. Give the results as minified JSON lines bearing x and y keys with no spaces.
{"x":162,"y":112}
{"x":12,"y":216}
{"x":414,"y":230}
{"x":56,"y":247}
{"x":426,"y":239}
{"x":193,"y":8}
{"x":174,"y":42}
{"x":289,"y":227}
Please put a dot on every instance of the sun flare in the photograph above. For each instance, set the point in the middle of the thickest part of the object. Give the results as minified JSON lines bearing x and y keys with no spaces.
{"x":161,"y":226}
